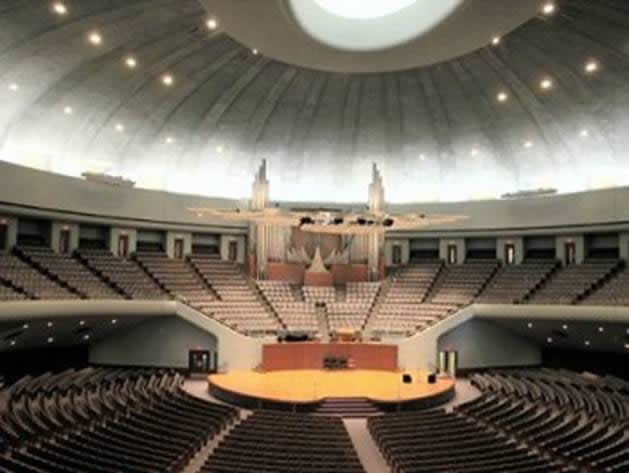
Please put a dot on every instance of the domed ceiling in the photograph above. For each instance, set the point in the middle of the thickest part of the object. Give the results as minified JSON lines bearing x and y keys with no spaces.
{"x":172,"y":94}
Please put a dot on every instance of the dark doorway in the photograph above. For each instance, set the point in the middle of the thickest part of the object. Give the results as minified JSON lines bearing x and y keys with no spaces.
{"x":123,"y":246}
{"x":233,"y":251}
{"x":64,"y":242}
{"x":397,"y":254}
{"x":199,"y":362}
{"x":4,"y":230}
{"x":570,"y":250}
{"x":510,"y":253}
{"x":453,"y":256}
{"x":179,"y":248}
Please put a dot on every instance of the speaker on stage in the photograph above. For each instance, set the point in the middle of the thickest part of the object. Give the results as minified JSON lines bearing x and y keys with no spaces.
{"x":432,"y":378}
{"x":406,"y":378}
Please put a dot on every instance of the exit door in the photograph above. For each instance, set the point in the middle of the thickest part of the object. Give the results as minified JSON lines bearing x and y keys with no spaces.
{"x":3,"y":236}
{"x":397,"y":254}
{"x":179,"y":248}
{"x":453,"y":256}
{"x":510,"y":254}
{"x":123,"y":246}
{"x":233,"y":251}
{"x":570,"y":250}
{"x":64,"y":242}
{"x":199,"y":362}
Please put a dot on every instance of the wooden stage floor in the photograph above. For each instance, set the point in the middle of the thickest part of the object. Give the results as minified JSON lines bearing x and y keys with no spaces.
{"x":314,"y":385}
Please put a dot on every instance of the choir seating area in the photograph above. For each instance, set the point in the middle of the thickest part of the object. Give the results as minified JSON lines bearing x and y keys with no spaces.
{"x":353,"y":312}
{"x":275,"y":443}
{"x":513,"y":284}
{"x":123,"y":274}
{"x":104,"y":421}
{"x":68,"y":272}
{"x":575,"y":419}
{"x":237,"y":301}
{"x":319,"y":294}
{"x":574,"y":282}
{"x":289,"y":305}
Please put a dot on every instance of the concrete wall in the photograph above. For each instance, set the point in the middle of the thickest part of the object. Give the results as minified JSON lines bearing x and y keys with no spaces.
{"x":388,"y":251}
{"x":517,"y":242}
{"x":460,"y":249}
{"x":114,"y":235}
{"x":55,"y":235}
{"x":482,"y":344}
{"x":162,"y":342}
{"x":623,"y":245}
{"x":170,"y":243}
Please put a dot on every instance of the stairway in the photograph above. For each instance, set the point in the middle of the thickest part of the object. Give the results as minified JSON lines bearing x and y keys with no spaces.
{"x":347,"y":407}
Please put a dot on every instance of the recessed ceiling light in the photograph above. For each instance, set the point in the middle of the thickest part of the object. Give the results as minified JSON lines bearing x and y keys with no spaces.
{"x":13,"y":87}
{"x":119,"y":127}
{"x":59,"y":8}
{"x":86,"y":337}
{"x":502,"y":97}
{"x":601,"y":329}
{"x":255,"y":51}
{"x":587,"y":343}
{"x":548,"y":8}
{"x":584,"y":133}
{"x":546,"y":84}
{"x":530,"y":324}
{"x":95,"y":38}
{"x":495,"y":40}
{"x":212,"y":23}
{"x":12,"y":343}
{"x":25,"y":326}
{"x":114,"y":321}
{"x":528,"y":144}
{"x":168,"y":80}
{"x":51,"y":339}
{"x":170,"y":140}
{"x":549,"y":340}
{"x":82,"y":322}
{"x":591,"y":66}
{"x":131,"y":62}
{"x":565,"y":327}
{"x":68,"y":110}
{"x":49,"y":324}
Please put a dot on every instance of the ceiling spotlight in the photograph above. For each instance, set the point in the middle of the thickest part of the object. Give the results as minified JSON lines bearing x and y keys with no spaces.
{"x":546,"y":84}
{"x":548,"y":8}
{"x":131,"y":62}
{"x":25,"y":326}
{"x":168,"y":80}
{"x":549,"y":340}
{"x":587,"y":343}
{"x":68,"y":110}
{"x":170,"y":140}
{"x":495,"y":40}
{"x":59,"y":8}
{"x":530,"y":324}
{"x":212,"y":24}
{"x":49,"y":324}
{"x":12,"y":343}
{"x":601,"y":329}
{"x":584,"y":133}
{"x":114,"y":321}
{"x":626,"y":346}
{"x":255,"y":51}
{"x":502,"y":97}
{"x":591,"y":66}
{"x":528,"y":144}
{"x":565,"y":327}
{"x":82,"y":322}
{"x":119,"y":127}
{"x":13,"y":87}
{"x":95,"y":38}
{"x":51,"y":339}
{"x":86,"y":336}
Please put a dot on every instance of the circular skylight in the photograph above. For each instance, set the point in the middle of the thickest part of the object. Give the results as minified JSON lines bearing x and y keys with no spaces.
{"x":370,"y":25}
{"x":364,"y":9}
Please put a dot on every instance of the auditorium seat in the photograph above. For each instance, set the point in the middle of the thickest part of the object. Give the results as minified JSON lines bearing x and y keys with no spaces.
{"x":285,"y":443}
{"x":68,"y":272}
{"x":288,"y":303}
{"x":33,"y":283}
{"x":123,"y":274}
{"x":460,"y":284}
{"x":614,"y":292}
{"x":571,"y":283}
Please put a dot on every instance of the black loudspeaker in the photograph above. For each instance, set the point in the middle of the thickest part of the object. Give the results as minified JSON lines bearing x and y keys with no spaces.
{"x":407,"y":379}
{"x":432,"y":378}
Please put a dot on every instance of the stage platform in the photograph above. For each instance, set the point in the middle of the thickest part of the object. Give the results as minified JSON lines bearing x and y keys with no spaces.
{"x":304,"y":390}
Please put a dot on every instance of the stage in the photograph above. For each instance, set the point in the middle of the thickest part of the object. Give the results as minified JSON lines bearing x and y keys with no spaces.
{"x":299,"y":389}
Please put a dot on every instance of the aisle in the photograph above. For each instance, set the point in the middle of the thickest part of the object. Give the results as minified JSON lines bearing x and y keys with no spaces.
{"x":366,"y":448}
